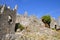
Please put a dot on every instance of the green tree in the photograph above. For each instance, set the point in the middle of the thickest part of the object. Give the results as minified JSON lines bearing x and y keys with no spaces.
{"x":46,"y":20}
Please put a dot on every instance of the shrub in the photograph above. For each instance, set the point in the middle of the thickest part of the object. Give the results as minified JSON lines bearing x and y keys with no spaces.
{"x":46,"y":19}
{"x":21,"y":27}
{"x":53,"y":29}
{"x":18,"y":25}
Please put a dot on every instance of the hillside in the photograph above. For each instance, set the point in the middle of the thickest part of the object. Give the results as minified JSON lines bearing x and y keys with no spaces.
{"x":35,"y":29}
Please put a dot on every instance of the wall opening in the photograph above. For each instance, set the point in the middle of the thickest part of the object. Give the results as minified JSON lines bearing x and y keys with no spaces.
{"x":10,"y":21}
{"x":16,"y":26}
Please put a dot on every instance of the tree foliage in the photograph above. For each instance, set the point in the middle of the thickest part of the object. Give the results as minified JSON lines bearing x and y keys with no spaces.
{"x":46,"y":19}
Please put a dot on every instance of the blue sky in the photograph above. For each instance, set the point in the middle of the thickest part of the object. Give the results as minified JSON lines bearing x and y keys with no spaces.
{"x":35,"y":7}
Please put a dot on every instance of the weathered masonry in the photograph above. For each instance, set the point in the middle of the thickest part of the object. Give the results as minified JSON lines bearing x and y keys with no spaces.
{"x":7,"y":21}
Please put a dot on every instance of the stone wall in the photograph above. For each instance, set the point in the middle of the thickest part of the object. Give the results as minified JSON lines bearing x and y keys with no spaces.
{"x":7,"y":21}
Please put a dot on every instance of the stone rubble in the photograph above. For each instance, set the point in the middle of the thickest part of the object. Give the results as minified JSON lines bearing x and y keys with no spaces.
{"x":35,"y":29}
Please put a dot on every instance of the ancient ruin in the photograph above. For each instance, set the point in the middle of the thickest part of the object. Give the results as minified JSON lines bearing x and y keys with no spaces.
{"x":34,"y":28}
{"x":7,"y":21}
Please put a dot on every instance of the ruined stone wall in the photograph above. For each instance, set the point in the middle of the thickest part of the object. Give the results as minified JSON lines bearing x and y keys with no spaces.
{"x":7,"y":22}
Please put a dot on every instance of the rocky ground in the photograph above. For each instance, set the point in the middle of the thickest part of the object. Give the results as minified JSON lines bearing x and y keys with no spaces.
{"x":44,"y":34}
{"x":35,"y":30}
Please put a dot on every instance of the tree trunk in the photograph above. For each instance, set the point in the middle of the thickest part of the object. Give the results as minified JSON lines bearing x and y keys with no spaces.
{"x":47,"y":25}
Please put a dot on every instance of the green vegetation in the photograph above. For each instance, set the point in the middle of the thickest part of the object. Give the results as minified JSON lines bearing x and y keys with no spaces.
{"x":18,"y":26}
{"x":21,"y":27}
{"x":53,"y":29}
{"x":46,"y":19}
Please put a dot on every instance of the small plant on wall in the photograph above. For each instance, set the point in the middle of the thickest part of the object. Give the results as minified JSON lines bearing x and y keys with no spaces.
{"x":18,"y":26}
